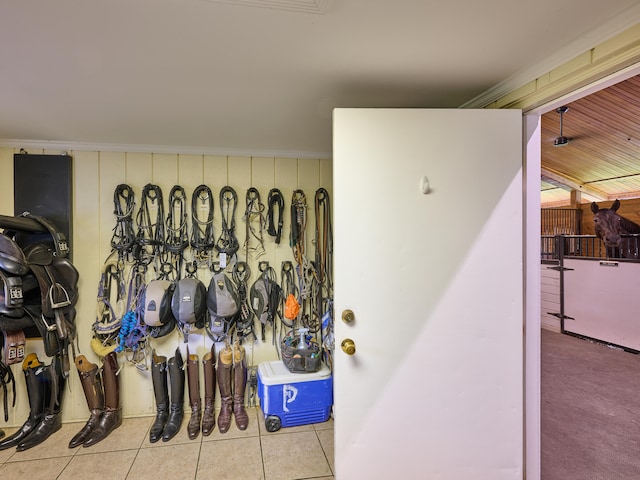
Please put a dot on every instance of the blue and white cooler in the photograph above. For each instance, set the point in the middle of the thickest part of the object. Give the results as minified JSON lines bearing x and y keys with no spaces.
{"x":290,"y":399}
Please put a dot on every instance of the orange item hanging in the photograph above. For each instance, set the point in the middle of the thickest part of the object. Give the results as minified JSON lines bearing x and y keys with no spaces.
{"x":291,"y":307}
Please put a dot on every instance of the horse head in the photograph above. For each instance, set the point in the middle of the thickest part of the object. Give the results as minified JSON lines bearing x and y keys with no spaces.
{"x":608,"y":224}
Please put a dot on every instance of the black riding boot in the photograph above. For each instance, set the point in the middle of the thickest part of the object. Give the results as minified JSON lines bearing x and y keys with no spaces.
{"x":176,"y":412}
{"x":160,"y":389}
{"x":52,"y":419}
{"x":37,"y":381}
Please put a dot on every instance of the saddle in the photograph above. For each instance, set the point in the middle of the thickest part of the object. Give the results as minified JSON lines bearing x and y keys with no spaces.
{"x":39,"y":286}
{"x":58,"y":284}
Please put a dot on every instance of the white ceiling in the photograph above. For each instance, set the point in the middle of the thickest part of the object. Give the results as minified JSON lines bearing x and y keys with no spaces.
{"x":262,"y":76}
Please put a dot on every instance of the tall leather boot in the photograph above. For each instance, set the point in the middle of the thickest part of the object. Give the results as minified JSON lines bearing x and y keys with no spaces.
{"x":160,"y":389}
{"x":239,"y":386}
{"x":37,"y":381}
{"x":91,"y":382}
{"x":193,"y":376}
{"x":176,"y":411}
{"x":51,"y":420}
{"x":209,"y":367}
{"x":112,"y":414}
{"x":225,"y":364}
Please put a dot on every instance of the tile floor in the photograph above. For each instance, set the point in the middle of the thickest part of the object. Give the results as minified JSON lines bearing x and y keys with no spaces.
{"x":304,"y":452}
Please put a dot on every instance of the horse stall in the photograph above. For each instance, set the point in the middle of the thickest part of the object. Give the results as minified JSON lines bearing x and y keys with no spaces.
{"x":589,"y":287}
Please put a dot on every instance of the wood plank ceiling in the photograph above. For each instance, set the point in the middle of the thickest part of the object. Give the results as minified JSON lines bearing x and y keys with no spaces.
{"x":602,"y":158}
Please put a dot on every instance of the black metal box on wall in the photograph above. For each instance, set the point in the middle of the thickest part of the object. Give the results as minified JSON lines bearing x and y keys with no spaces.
{"x":42,"y":185}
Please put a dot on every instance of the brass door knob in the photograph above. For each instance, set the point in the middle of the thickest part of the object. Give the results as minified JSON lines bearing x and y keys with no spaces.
{"x":348,"y":316}
{"x":348,"y":346}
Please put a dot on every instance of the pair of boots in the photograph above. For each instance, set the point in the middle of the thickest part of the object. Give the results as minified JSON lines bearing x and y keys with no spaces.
{"x":207,"y":419}
{"x":232,"y":380}
{"x":45,"y":389}
{"x":103,"y":402}
{"x":169,"y":415}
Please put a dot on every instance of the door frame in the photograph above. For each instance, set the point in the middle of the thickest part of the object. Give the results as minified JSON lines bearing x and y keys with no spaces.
{"x":532,"y":171}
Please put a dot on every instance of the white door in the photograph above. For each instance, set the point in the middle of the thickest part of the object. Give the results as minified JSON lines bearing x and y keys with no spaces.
{"x":435,"y":282}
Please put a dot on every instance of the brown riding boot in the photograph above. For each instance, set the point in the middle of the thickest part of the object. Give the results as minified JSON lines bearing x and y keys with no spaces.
{"x":91,"y":382}
{"x":225,"y":361}
{"x":112,"y":415}
{"x":193,"y":378}
{"x":239,"y":385}
{"x":209,"y":367}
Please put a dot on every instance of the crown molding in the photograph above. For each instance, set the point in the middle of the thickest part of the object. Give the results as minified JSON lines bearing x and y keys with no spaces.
{"x":595,"y":37}
{"x":133,"y":148}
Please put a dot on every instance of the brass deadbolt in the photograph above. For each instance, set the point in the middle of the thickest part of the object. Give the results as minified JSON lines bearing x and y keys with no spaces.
{"x":348,"y":346}
{"x":348,"y":316}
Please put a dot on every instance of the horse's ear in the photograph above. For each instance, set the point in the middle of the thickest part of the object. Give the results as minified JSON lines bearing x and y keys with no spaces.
{"x":594,"y":207}
{"x":616,"y":205}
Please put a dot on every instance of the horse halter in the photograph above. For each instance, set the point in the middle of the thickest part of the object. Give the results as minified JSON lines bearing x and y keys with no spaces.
{"x":202,"y":239}
{"x":227,"y":243}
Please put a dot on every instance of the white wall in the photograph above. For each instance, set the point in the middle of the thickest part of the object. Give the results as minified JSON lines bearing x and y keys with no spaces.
{"x":95,"y":175}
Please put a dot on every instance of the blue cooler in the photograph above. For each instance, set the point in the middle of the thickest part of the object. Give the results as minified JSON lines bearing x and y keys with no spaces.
{"x":290,"y":399}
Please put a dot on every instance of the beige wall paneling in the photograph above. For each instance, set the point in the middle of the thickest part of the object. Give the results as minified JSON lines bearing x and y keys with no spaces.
{"x":6,"y":181}
{"x":134,"y":170}
{"x":326,"y":175}
{"x":86,"y":236}
{"x":96,"y":175}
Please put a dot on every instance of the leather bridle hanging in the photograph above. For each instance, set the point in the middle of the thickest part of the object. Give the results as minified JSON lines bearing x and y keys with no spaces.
{"x":124,"y":203}
{"x":274,"y":200}
{"x":177,"y":239}
{"x":245,"y":319}
{"x":298,"y":224}
{"x":324,"y":241}
{"x":202,"y":237}
{"x":304,"y":268}
{"x":227,"y":243}
{"x":150,"y":235}
{"x":254,"y":211}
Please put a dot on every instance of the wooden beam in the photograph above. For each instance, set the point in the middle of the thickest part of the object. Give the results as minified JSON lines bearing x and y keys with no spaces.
{"x":552,"y":176}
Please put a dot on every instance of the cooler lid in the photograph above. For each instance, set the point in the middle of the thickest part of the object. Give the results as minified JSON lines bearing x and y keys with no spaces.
{"x":276,"y":373}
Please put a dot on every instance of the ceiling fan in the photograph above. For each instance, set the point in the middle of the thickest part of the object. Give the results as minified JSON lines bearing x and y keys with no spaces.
{"x":561,"y":140}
